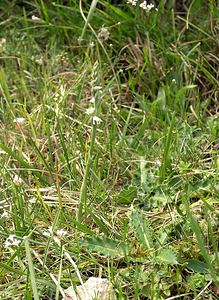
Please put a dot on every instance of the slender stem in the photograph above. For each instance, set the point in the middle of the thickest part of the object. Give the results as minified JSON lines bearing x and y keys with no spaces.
{"x":31,"y":269}
{"x":90,"y":13}
{"x":83,"y":191}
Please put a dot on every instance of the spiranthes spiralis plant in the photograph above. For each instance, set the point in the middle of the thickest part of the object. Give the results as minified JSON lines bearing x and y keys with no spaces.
{"x":96,"y":93}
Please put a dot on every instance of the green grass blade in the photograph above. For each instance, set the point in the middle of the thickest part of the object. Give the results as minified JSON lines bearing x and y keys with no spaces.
{"x":31,"y":269}
{"x":22,"y":162}
{"x":199,"y":237}
{"x":167,"y":146}
{"x":89,"y":16}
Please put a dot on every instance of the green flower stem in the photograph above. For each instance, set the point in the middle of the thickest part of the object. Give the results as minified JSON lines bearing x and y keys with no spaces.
{"x":83,"y":191}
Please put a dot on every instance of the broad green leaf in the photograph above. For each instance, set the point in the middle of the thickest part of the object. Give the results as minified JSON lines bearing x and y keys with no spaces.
{"x":141,"y":228}
{"x":197,"y":266}
{"x":126,"y":196}
{"x":99,"y":222}
{"x":82,"y":228}
{"x":167,"y":256}
{"x":106,"y":246}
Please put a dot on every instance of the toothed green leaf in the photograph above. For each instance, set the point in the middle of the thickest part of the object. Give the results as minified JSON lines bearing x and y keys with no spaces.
{"x":167,"y":256}
{"x":106,"y":246}
{"x":141,"y":228}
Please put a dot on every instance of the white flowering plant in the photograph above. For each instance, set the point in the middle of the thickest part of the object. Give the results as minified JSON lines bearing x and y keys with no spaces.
{"x":145,"y":5}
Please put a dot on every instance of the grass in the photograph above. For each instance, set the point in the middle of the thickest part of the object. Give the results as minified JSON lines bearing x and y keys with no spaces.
{"x":118,"y":147}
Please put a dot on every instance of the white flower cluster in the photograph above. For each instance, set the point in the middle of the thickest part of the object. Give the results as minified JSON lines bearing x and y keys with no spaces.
{"x":103,"y":33}
{"x":34,"y":18}
{"x":17,"y":180}
{"x":91,"y":111}
{"x":59,"y":233}
{"x":19,"y":120}
{"x":132,"y":2}
{"x":144,"y":5}
{"x":11,"y":241}
{"x":2,"y":44}
{"x":4,"y":215}
{"x":96,"y":96}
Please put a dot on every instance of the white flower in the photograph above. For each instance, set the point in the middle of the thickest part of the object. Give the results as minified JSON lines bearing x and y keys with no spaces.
{"x":2,"y":44}
{"x":34,"y":18}
{"x":2,"y":41}
{"x":48,"y":232}
{"x":150,"y":6}
{"x":62,"y":90}
{"x":103,"y":33}
{"x":146,"y":6}
{"x":59,"y":94}
{"x":92,"y":100}
{"x":39,"y":61}
{"x":173,"y":80}
{"x":97,"y":88}
{"x":19,"y":120}
{"x":132,"y":2}
{"x":61,"y":233}
{"x":96,"y":120}
{"x":91,"y":45}
{"x":11,"y":241}
{"x":5,"y":214}
{"x":80,"y":39}
{"x":17,"y":180}
{"x":90,"y":110}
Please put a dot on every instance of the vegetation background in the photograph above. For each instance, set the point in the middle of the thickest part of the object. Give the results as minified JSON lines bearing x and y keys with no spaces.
{"x":109,"y":148}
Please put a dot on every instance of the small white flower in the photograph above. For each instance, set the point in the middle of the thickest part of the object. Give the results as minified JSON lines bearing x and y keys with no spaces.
{"x":62,"y":90}
{"x":91,"y":44}
{"x":48,"y":232}
{"x":150,"y":6}
{"x":17,"y":180}
{"x":143,"y":5}
{"x":39,"y":61}
{"x":34,"y":18}
{"x":97,"y":88}
{"x":90,"y":110}
{"x":96,"y":120}
{"x":11,"y":241}
{"x":92,"y":100}
{"x":80,"y":40}
{"x":158,"y":162}
{"x":103,"y":33}
{"x":132,"y":2}
{"x":173,"y":80}
{"x":5,"y":214}
{"x":61,"y":233}
{"x":146,"y":6}
{"x":2,"y":41}
{"x":2,"y":44}
{"x":7,"y":244}
{"x":19,"y":120}
{"x":16,"y":242}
